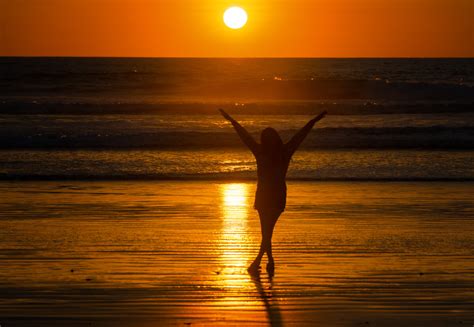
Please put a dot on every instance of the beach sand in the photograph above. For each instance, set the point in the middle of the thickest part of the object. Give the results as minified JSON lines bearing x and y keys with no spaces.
{"x":175,"y":253}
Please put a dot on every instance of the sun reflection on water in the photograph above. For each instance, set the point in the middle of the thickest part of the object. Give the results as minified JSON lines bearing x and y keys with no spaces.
{"x":234,"y":247}
{"x":235,"y":211}
{"x":235,"y":200}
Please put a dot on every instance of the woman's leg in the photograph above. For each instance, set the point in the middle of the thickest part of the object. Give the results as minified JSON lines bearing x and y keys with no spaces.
{"x":268,"y":219}
{"x":253,"y":268}
{"x":267,"y":233}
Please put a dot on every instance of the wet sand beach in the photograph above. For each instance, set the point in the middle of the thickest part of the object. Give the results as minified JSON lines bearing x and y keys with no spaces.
{"x":111,"y":253}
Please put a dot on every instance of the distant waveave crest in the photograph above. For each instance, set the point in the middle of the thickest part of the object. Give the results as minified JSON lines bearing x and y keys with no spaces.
{"x":434,"y":137}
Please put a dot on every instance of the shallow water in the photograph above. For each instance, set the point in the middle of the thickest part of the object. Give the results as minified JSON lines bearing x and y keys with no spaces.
{"x":154,"y":253}
{"x":240,"y":164}
{"x":449,"y":130}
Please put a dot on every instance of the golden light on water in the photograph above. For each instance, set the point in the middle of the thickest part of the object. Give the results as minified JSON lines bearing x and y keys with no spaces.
{"x":235,"y":211}
{"x":235,"y":199}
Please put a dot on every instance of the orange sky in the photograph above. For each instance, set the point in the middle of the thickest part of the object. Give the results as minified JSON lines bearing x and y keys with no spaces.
{"x":276,"y":28}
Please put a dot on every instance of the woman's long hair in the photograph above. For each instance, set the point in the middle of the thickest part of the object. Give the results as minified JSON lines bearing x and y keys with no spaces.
{"x":272,"y":145}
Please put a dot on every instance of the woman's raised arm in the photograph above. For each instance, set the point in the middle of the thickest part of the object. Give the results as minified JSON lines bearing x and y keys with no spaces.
{"x":299,"y":137}
{"x":242,"y":132}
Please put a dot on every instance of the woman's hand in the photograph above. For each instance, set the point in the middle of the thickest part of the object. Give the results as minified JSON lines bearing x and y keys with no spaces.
{"x":242,"y":132}
{"x":226,"y":115}
{"x":320,"y":116}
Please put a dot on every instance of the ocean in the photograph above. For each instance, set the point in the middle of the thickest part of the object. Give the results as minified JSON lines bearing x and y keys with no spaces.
{"x":124,"y":118}
{"x":126,"y":199}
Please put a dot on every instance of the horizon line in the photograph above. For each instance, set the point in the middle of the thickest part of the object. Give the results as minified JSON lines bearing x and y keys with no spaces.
{"x":222,"y":57}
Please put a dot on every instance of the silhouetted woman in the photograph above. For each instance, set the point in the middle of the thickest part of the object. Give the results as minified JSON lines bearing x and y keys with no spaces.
{"x":273,"y":158}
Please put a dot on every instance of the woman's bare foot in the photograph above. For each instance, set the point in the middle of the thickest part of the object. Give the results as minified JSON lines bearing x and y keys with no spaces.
{"x":254,"y":268}
{"x":271,"y":267}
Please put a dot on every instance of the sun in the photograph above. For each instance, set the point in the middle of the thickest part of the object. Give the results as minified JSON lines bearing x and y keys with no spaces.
{"x":235,"y":17}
